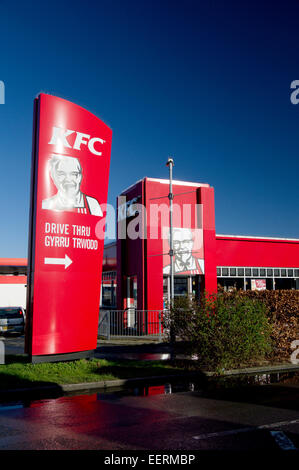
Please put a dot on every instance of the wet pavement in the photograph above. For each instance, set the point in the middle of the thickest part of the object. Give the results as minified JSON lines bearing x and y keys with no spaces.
{"x":182,"y":416}
{"x":256,"y":413}
{"x":125,"y":349}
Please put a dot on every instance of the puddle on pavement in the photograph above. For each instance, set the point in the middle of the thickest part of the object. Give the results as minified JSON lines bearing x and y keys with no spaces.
{"x":210,"y":387}
{"x":281,"y":378}
{"x":137,"y":356}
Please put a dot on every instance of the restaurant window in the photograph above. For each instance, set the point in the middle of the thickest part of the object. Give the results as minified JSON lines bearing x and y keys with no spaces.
{"x":180,"y":285}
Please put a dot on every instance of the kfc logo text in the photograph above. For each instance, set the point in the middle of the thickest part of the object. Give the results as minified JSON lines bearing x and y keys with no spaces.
{"x":60,"y":138}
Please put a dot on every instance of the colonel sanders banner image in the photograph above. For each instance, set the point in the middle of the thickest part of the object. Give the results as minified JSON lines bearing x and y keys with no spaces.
{"x":66,"y":173}
{"x":188,"y":251}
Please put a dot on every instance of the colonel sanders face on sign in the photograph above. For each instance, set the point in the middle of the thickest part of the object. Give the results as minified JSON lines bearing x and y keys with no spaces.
{"x":66,"y":174}
{"x":184,"y":260}
{"x":183,"y":245}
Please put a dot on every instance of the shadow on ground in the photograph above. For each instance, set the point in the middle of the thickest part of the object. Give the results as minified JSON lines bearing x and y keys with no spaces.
{"x":280,"y":391}
{"x":13,"y":388}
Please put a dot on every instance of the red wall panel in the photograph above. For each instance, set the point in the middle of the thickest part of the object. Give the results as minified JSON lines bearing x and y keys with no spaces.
{"x":130,"y":254}
{"x":206,"y":198}
{"x":256,"y":252}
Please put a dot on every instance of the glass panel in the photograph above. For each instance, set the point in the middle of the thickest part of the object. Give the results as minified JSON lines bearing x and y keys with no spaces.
{"x":107,"y":294}
{"x":135,"y":289}
{"x":224,"y":271}
{"x":240,"y":271}
{"x":255,"y":272}
{"x":196,"y":286}
{"x":276,"y":272}
{"x":10,"y":312}
{"x":290,"y":273}
{"x":113,"y":294}
{"x":180,"y":285}
{"x":284,"y":284}
{"x":262,"y":272}
{"x":233,"y":271}
{"x":230,"y":284}
{"x":270,"y":272}
{"x":247,"y":272}
{"x":269,"y":284}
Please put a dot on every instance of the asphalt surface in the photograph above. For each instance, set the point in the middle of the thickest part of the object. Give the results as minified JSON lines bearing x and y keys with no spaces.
{"x":152,"y":418}
{"x":126,"y":349}
{"x":163,"y":417}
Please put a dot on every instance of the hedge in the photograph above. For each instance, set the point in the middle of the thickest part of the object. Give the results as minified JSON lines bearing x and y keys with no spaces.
{"x":282,"y":308}
{"x":236,"y":328}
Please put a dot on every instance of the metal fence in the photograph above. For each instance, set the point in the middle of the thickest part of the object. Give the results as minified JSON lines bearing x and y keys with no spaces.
{"x":130,"y":322}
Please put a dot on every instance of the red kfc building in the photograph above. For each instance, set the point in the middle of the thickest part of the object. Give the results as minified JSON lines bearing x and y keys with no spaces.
{"x":136,"y":266}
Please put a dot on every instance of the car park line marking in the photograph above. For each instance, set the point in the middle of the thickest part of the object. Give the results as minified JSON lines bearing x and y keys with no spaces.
{"x":223,"y":433}
{"x":282,"y":440}
{"x":246,"y":429}
{"x":10,"y":407}
{"x":280,"y":423}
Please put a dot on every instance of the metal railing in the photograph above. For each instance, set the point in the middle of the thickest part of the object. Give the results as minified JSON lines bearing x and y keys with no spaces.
{"x":130,"y":322}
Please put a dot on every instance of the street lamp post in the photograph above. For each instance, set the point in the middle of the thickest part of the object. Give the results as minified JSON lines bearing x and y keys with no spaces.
{"x":170,"y":164}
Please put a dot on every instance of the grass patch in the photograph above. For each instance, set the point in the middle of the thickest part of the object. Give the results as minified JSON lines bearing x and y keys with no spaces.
{"x":19,"y":373}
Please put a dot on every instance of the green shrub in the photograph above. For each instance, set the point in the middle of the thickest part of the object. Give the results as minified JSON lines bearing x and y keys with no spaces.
{"x":222,"y":331}
{"x":283,"y":313}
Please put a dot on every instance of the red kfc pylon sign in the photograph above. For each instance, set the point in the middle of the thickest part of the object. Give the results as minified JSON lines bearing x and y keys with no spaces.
{"x":69,"y":186}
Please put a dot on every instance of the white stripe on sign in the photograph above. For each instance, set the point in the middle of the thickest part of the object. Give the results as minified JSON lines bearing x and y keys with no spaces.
{"x":66,"y":261}
{"x":282,"y":440}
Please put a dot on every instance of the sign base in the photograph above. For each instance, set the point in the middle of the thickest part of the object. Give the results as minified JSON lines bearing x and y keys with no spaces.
{"x":62,"y":357}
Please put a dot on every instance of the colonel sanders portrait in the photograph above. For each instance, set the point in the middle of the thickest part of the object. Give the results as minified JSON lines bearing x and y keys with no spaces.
{"x":184,"y":261}
{"x":66,"y":173}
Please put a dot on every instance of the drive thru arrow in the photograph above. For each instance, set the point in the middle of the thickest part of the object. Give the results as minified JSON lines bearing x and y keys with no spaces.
{"x":66,"y":261}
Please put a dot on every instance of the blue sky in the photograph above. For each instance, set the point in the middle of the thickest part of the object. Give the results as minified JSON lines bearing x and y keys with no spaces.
{"x":207,"y":82}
